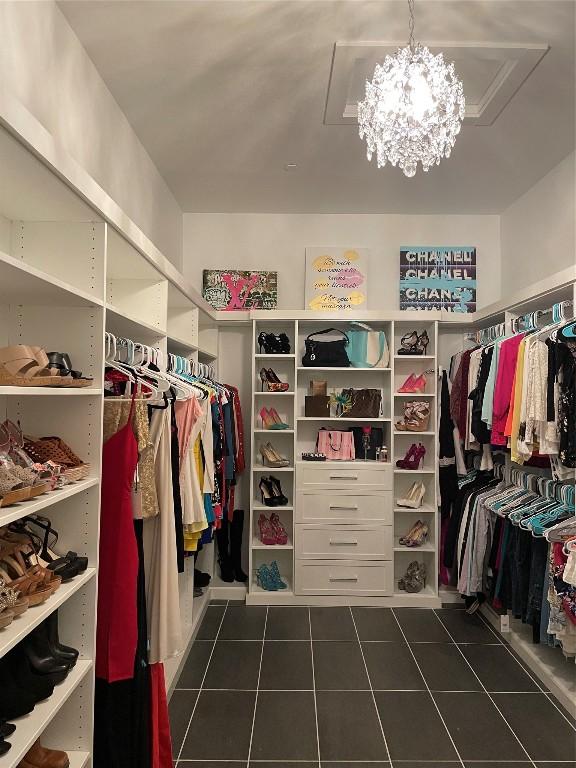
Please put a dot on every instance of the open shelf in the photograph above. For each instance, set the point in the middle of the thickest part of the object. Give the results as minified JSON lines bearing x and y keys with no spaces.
{"x":427,"y":547}
{"x":32,"y":726}
{"x":180,"y":346}
{"x":16,"y":511}
{"x":424,"y":509}
{"x":342,"y":418}
{"x":414,"y":471}
{"x":414,"y":395}
{"x":24,"y":624}
{"x":409,"y":432}
{"x":414,"y":357}
{"x":271,"y":356}
{"x":31,"y":285}
{"x":263,"y":468}
{"x":78,"y":759}
{"x":122,"y":323}
{"x":274,"y":394}
{"x":274,"y":431}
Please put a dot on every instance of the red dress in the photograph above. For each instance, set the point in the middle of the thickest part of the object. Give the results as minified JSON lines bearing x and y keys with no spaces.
{"x":117,"y":628}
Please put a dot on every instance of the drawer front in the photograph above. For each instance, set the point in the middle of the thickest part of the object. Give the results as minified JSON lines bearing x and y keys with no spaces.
{"x":344,"y":578}
{"x":349,"y":475}
{"x":343,"y":507}
{"x":344,"y":542}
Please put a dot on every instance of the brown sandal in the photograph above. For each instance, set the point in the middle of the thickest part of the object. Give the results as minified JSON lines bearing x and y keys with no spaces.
{"x":12,"y":489}
{"x":54,"y":449}
{"x":30,"y":583}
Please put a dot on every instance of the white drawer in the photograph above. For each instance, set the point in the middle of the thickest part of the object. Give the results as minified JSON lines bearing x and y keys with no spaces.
{"x":343,"y":507}
{"x":344,"y":578}
{"x":344,"y":542}
{"x":344,"y":474}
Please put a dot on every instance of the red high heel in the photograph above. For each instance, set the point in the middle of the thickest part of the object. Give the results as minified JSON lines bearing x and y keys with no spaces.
{"x":414,"y":456}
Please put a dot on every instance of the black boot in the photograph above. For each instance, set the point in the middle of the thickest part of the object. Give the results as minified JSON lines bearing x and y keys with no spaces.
{"x":64,"y":653}
{"x":37,"y":650}
{"x":40,"y":687}
{"x":236,"y":528}
{"x":15,"y":701}
{"x":224,"y":561}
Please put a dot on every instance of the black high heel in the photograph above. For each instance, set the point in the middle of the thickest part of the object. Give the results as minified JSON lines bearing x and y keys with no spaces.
{"x":422,"y":343}
{"x":282,"y":500}
{"x":269,"y":342}
{"x":40,"y":687}
{"x":67,"y":566}
{"x":267,"y":494}
{"x":284,"y":342}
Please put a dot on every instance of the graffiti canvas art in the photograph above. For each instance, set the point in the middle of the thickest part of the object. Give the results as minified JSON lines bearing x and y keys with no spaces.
{"x":234,"y":289}
{"x":336,"y":279}
{"x":438,"y":278}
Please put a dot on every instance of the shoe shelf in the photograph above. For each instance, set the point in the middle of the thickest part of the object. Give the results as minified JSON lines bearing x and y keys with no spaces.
{"x":78,"y":759}
{"x":32,"y":726}
{"x":414,"y":395}
{"x":273,"y":432}
{"x":414,"y":472}
{"x":51,"y":391}
{"x":123,"y":323}
{"x":257,"y":544}
{"x":24,"y":624}
{"x":274,"y":394}
{"x":302,"y":437}
{"x":16,"y":511}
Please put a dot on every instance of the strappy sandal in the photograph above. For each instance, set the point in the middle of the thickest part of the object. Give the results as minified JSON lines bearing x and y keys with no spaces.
{"x":23,"y":366}
{"x":12,"y":489}
{"x":62,"y":363}
{"x":17,"y":604}
{"x":6,"y":615}
{"x":54,"y":449}
{"x":30,"y":584}
{"x":67,"y":566}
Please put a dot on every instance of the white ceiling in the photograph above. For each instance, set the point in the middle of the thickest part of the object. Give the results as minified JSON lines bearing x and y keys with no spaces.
{"x":223,"y":94}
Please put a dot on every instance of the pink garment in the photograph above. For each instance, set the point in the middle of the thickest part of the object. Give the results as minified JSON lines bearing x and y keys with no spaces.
{"x":507,"y":358}
{"x":187,"y":413}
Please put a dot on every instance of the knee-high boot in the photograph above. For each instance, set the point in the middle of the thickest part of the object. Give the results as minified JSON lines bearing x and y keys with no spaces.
{"x":224,"y":560}
{"x":236,"y":528}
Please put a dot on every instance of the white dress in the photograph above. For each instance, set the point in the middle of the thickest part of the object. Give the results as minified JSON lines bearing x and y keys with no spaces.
{"x":160,"y":560}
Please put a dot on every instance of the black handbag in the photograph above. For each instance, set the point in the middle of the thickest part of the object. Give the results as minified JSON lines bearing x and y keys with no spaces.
{"x":376,"y":441}
{"x":326,"y":354}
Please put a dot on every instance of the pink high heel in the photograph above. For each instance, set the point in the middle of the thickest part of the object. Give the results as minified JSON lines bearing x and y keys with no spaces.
{"x":279,"y":530}
{"x":267,"y":534}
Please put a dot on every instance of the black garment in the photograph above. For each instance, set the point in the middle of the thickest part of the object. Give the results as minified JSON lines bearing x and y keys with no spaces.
{"x":178,"y":523}
{"x":480,"y":429}
{"x":447,"y":473}
{"x":122,"y":727}
{"x":457,"y":512}
{"x":567,"y":405}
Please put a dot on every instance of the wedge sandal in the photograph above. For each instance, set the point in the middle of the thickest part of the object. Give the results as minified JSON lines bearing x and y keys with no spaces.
{"x":12,"y":489}
{"x":24,"y":366}
{"x":62,"y":363}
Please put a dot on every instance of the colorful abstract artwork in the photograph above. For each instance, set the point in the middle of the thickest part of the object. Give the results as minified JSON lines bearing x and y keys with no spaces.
{"x":233,"y":289}
{"x":438,"y":278}
{"x":336,"y":279}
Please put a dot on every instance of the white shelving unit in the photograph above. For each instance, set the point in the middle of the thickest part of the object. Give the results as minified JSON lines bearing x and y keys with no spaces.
{"x":301,"y":436}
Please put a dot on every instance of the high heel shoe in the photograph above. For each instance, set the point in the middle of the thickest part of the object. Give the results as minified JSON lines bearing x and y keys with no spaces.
{"x":29,"y":582}
{"x":279,"y":531}
{"x":414,"y":384}
{"x":67,"y":566}
{"x":417,"y":537}
{"x":17,"y":604}
{"x":265,"y":579}
{"x":270,"y":458}
{"x":414,"y":580}
{"x":408,"y":343}
{"x":272,"y":382}
{"x":414,"y":455}
{"x":267,"y":493}
{"x":404,"y":539}
{"x":422,"y":343}
{"x":413,"y":499}
{"x":6,"y":615}
{"x":416,"y":417}
{"x":273,"y":344}
{"x":267,"y":535}
{"x":282,"y":500}
{"x":271,"y":419}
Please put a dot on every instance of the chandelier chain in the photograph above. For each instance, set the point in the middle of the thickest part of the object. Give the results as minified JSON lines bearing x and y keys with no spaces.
{"x":411,"y":24}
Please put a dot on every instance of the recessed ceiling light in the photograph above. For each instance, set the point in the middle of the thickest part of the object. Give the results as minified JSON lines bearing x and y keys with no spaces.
{"x":290,"y":167}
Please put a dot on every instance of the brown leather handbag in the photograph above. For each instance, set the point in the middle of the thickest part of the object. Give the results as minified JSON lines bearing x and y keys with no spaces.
{"x":364,"y":403}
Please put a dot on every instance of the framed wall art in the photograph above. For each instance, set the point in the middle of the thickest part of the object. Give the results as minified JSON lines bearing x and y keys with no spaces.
{"x":236,"y":289}
{"x":438,"y":277}
{"x":336,"y":279}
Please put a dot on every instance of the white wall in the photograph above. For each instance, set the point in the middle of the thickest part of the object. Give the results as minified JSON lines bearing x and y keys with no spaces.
{"x":43,"y":65}
{"x":278,"y":241}
{"x":538,"y":230}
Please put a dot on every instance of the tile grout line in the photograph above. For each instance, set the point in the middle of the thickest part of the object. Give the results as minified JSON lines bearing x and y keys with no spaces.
{"x":534,"y":679}
{"x":371,"y":687}
{"x":201,"y":684}
{"x":257,"y":688}
{"x":314,"y":687}
{"x":440,"y":715}
{"x":512,"y":731}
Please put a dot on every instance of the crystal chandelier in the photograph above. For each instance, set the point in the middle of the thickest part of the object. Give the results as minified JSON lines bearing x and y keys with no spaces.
{"x":413,"y":108}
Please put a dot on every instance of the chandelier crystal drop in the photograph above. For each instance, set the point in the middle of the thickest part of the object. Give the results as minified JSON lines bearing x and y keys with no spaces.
{"x":413,"y":108}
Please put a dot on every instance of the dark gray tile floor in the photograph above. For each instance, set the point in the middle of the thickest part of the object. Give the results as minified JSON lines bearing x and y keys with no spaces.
{"x":361,"y":688}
